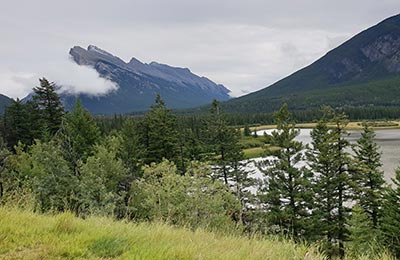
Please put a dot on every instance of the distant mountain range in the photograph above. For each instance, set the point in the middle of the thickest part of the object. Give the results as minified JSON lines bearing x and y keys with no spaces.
{"x":364,"y":71}
{"x":4,"y":101}
{"x":138,"y":84}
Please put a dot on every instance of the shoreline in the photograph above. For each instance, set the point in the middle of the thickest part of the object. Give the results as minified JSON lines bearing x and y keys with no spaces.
{"x":353,"y":125}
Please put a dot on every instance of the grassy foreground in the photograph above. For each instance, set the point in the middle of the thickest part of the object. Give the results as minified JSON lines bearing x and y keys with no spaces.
{"x":25,"y":235}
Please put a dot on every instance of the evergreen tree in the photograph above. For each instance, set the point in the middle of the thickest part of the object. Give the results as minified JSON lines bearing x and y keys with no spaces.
{"x":16,"y":124}
{"x":22,"y":123}
{"x":159,"y":136}
{"x":330,"y":162}
{"x":49,"y":104}
{"x":362,"y":235}
{"x":4,"y":153}
{"x":343,"y":170}
{"x":228,"y":156}
{"x":192,"y":145}
{"x":390,"y":221}
{"x":130,"y":151}
{"x":242,"y":183}
{"x":255,"y":135}
{"x":78,"y":135}
{"x":368,"y":176}
{"x":223,"y":141}
{"x":285,"y":190}
{"x":246,"y":131}
{"x":320,"y":160}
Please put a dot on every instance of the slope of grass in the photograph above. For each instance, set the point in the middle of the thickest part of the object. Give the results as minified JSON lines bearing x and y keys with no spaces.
{"x":25,"y":235}
{"x":254,"y":152}
{"x":251,"y":142}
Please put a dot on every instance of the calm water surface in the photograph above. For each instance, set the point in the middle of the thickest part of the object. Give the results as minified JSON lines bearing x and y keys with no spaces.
{"x":387,"y":139}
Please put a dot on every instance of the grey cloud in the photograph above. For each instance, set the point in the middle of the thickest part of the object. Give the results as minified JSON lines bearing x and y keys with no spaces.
{"x":245,"y":45}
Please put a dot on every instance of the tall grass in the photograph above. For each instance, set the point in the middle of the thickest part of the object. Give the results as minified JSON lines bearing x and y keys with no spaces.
{"x":26,"y":235}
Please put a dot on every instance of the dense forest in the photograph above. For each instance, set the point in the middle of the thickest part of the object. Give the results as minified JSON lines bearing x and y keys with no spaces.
{"x":354,"y":113}
{"x":190,"y":171}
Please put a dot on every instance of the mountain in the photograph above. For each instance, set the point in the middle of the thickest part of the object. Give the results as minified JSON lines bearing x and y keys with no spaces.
{"x":364,"y":71}
{"x":138,"y":84}
{"x":4,"y":101}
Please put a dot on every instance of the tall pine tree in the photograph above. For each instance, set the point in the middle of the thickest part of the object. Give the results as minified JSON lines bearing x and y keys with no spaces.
{"x":362,"y":239}
{"x":79,"y":134}
{"x":130,"y":152}
{"x":222,"y":141}
{"x":49,"y":104}
{"x":369,"y":177}
{"x":22,"y":123}
{"x":331,"y":162}
{"x":390,"y":221}
{"x":158,"y":134}
{"x":286,"y":189}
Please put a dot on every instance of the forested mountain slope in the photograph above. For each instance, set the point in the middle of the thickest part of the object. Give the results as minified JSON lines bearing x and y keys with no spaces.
{"x":4,"y":101}
{"x":364,"y":71}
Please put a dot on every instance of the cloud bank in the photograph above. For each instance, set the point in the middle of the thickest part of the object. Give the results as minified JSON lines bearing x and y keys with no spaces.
{"x":245,"y":45}
{"x":66,"y":74}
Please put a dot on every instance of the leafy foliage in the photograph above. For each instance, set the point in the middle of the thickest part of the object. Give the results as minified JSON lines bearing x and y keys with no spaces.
{"x":100,"y":177}
{"x":193,"y":199}
{"x":190,"y":171}
{"x":43,"y":170}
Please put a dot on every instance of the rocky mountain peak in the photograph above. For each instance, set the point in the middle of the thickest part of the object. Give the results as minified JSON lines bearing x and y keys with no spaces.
{"x":135,"y":61}
{"x":140,"y":82}
{"x":94,"y":48}
{"x":92,"y":55}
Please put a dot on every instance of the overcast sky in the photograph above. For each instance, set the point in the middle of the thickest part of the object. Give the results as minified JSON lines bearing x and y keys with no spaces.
{"x":244,"y":45}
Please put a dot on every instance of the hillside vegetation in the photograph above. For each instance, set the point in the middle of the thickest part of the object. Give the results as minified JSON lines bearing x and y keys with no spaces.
{"x":25,"y":235}
{"x":189,"y":175}
{"x":363,"y":71}
{"x":4,"y":101}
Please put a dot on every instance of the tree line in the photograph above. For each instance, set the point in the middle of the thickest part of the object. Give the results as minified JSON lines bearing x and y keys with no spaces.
{"x":191,"y":172}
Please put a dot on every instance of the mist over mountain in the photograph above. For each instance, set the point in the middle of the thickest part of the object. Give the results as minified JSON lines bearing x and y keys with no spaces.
{"x":138,"y":83}
{"x":364,"y":71}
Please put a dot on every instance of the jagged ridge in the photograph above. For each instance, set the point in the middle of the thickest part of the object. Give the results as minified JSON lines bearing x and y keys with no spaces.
{"x":139,"y":83}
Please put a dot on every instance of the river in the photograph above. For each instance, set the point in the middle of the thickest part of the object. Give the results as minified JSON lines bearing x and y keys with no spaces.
{"x":387,"y":139}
